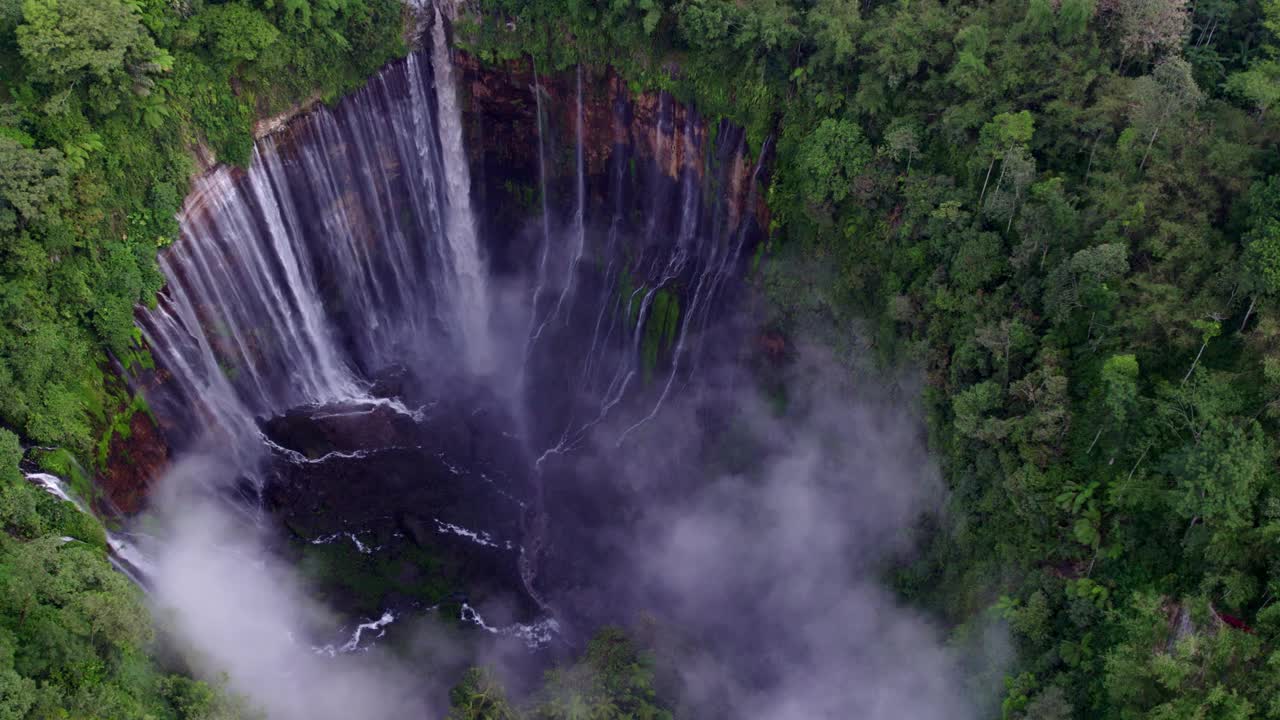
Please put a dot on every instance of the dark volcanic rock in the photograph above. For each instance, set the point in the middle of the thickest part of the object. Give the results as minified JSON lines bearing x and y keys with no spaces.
{"x":315,"y":432}
{"x":385,"y":508}
{"x":389,"y":382}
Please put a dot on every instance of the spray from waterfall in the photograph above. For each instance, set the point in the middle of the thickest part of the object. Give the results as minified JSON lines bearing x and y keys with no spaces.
{"x":468,"y":270}
{"x":350,"y":250}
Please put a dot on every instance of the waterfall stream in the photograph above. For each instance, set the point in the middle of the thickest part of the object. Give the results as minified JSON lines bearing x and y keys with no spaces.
{"x":331,"y":313}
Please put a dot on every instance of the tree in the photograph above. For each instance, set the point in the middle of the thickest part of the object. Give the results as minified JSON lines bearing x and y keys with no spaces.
{"x":1260,"y":272}
{"x":18,"y":514}
{"x":10,"y":16}
{"x":1002,"y":339}
{"x":99,"y":46}
{"x":1258,"y":86}
{"x":1019,"y":167}
{"x":973,"y":408}
{"x":832,"y":156}
{"x":1001,"y":137}
{"x":614,"y":681}
{"x":1040,"y":17}
{"x":1119,"y":386}
{"x":479,"y":696}
{"x":970,"y":70}
{"x":1152,"y":28}
{"x":312,"y":13}
{"x":756,"y":27}
{"x":901,"y":140}
{"x":1168,"y":93}
{"x":834,"y":27}
{"x":1087,"y":270}
{"x":1175,"y":660}
{"x":237,"y":33}
{"x":1073,"y":18}
{"x":30,"y":182}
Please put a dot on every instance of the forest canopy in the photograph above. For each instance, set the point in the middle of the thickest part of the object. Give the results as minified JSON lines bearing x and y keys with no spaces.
{"x":103,"y":104}
{"x":1067,"y":212}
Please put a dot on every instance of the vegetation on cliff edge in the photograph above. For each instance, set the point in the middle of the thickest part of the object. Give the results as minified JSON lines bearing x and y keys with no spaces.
{"x":1067,"y":212}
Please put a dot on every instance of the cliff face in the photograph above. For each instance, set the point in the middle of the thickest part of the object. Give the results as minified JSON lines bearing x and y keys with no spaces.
{"x":135,"y":460}
{"x":533,"y":147}
{"x":630,"y":142}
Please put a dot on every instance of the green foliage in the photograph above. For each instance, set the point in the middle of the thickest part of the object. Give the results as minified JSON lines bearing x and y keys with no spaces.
{"x":1258,"y":87}
{"x":613,"y":680}
{"x":1180,"y":661}
{"x":73,"y":632}
{"x":101,"y":103}
{"x":833,"y":158}
{"x":236,"y":32}
{"x":31,"y":181}
{"x":1047,"y":205}
{"x":96,"y":47}
{"x":661,"y":327}
{"x":363,"y":582}
{"x":479,"y":696}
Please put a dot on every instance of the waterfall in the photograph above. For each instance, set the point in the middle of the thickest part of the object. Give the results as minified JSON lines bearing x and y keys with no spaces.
{"x":578,"y":231}
{"x":662,"y":273}
{"x":125,"y":555}
{"x":468,"y":271}
{"x":546,"y":211}
{"x":350,"y":264}
{"x":348,"y":245}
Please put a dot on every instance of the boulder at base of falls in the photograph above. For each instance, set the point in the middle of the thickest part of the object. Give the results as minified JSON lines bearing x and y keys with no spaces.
{"x":386,"y":508}
{"x":344,"y":428}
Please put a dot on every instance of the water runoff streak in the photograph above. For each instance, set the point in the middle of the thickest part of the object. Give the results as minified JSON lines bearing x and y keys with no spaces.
{"x":348,"y":245}
{"x":349,"y":248}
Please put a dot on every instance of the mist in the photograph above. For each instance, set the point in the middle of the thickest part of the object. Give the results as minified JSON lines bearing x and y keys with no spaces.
{"x":240,"y":616}
{"x":757,"y":551}
{"x":748,"y":551}
{"x":571,"y":402}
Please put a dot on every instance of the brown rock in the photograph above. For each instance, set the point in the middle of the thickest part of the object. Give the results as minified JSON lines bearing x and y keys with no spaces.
{"x":134,"y":462}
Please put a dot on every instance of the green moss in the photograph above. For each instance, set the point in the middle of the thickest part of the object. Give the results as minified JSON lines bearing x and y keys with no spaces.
{"x":60,"y":462}
{"x":626,"y":297}
{"x":121,"y":425}
{"x":660,"y":329}
{"x":756,"y":257}
{"x":524,"y":195}
{"x":341,"y":571}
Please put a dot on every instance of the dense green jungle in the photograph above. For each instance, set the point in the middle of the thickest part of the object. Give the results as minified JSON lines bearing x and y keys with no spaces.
{"x":1063,"y":214}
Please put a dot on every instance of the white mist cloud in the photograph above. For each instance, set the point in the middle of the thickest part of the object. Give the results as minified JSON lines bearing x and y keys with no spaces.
{"x":772,"y":570}
{"x":764,"y":577}
{"x":238,"y":613}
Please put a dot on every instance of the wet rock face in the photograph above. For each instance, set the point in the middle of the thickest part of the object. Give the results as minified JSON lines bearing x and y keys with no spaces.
{"x":385,"y":507}
{"x":636,"y":149}
{"x":622,"y":227}
{"x":134,"y":461}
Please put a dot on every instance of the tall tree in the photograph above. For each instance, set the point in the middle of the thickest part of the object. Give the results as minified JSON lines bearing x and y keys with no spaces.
{"x":1150,"y":29}
{"x":30,"y":182}
{"x":98,"y":46}
{"x":1167,"y":95}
